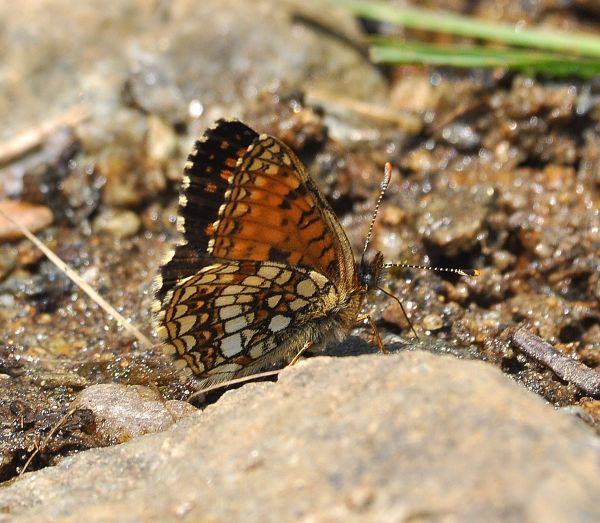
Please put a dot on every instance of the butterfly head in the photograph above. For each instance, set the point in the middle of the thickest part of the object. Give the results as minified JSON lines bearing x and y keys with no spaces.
{"x":369,"y":271}
{"x":369,"y":268}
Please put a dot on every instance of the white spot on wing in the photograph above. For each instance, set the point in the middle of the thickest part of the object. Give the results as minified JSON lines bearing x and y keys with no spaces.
{"x":268,"y":272}
{"x":319,"y":279}
{"x":283,"y":278}
{"x":279,"y":322}
{"x":186,"y":323}
{"x":272,"y":301}
{"x":228,"y":269}
{"x":298,"y":303}
{"x":235,"y":324}
{"x":230,"y":311}
{"x":254,"y":281}
{"x":182,"y":365}
{"x":306,"y":288}
{"x":188,"y":293}
{"x":231,"y":345}
{"x":238,"y":289}
{"x":168,"y":349}
{"x":189,"y":341}
{"x":223,"y":301}
{"x":207,"y":278}
{"x":180,"y":310}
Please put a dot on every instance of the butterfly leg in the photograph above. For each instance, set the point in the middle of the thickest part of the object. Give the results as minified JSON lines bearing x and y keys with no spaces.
{"x":295,"y":359}
{"x":375,"y":330}
{"x":391,"y":295}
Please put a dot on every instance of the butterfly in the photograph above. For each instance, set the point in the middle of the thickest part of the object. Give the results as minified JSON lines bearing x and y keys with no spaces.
{"x":264,"y":268}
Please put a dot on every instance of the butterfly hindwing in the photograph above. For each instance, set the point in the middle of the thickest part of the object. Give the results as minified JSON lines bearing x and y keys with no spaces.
{"x":231,"y":318}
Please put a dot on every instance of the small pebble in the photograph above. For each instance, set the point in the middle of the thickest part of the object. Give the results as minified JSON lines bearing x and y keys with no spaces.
{"x":33,"y":217}
{"x":118,"y":224}
{"x":161,"y":141}
{"x":432,"y":322}
{"x":453,"y":221}
{"x":8,"y":260}
{"x":52,"y":380}
{"x":123,"y":412}
{"x":393,"y":215}
{"x":502,"y":260}
{"x":7,"y":300}
{"x":462,"y":136}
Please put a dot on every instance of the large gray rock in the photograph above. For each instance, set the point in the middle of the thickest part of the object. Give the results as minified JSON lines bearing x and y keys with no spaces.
{"x":371,"y":438}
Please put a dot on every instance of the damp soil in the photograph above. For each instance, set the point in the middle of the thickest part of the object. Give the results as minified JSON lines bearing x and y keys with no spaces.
{"x":502,"y":174}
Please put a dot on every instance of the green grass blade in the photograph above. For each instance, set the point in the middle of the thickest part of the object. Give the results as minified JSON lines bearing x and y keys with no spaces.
{"x":449,"y":23}
{"x":461,"y":56}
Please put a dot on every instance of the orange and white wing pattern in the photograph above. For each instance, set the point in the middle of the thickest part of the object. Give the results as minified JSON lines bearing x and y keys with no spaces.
{"x":264,"y":266}
{"x":231,"y":319}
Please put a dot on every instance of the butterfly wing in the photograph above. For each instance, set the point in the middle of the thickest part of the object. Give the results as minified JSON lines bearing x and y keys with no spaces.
{"x":248,"y":202}
{"x":233,"y":318}
{"x":248,"y":197}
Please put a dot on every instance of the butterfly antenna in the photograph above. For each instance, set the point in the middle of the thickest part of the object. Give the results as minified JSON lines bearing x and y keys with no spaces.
{"x":460,"y":272}
{"x":387,"y":175}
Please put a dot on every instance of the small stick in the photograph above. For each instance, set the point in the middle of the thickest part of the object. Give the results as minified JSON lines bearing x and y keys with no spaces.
{"x":406,"y":121}
{"x":580,"y":375}
{"x":83,"y":285}
{"x":27,"y":140}
{"x":43,"y":444}
{"x":235,"y":381}
{"x":304,"y":348}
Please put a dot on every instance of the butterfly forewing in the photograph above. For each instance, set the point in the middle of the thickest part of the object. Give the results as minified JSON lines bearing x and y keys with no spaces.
{"x":205,"y":182}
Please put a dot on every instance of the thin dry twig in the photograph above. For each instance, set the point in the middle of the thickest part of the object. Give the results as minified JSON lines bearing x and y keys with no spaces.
{"x":580,"y":375}
{"x":77,"y":280}
{"x":34,"y":137}
{"x":43,"y":444}
{"x":235,"y":381}
{"x":409,"y":123}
